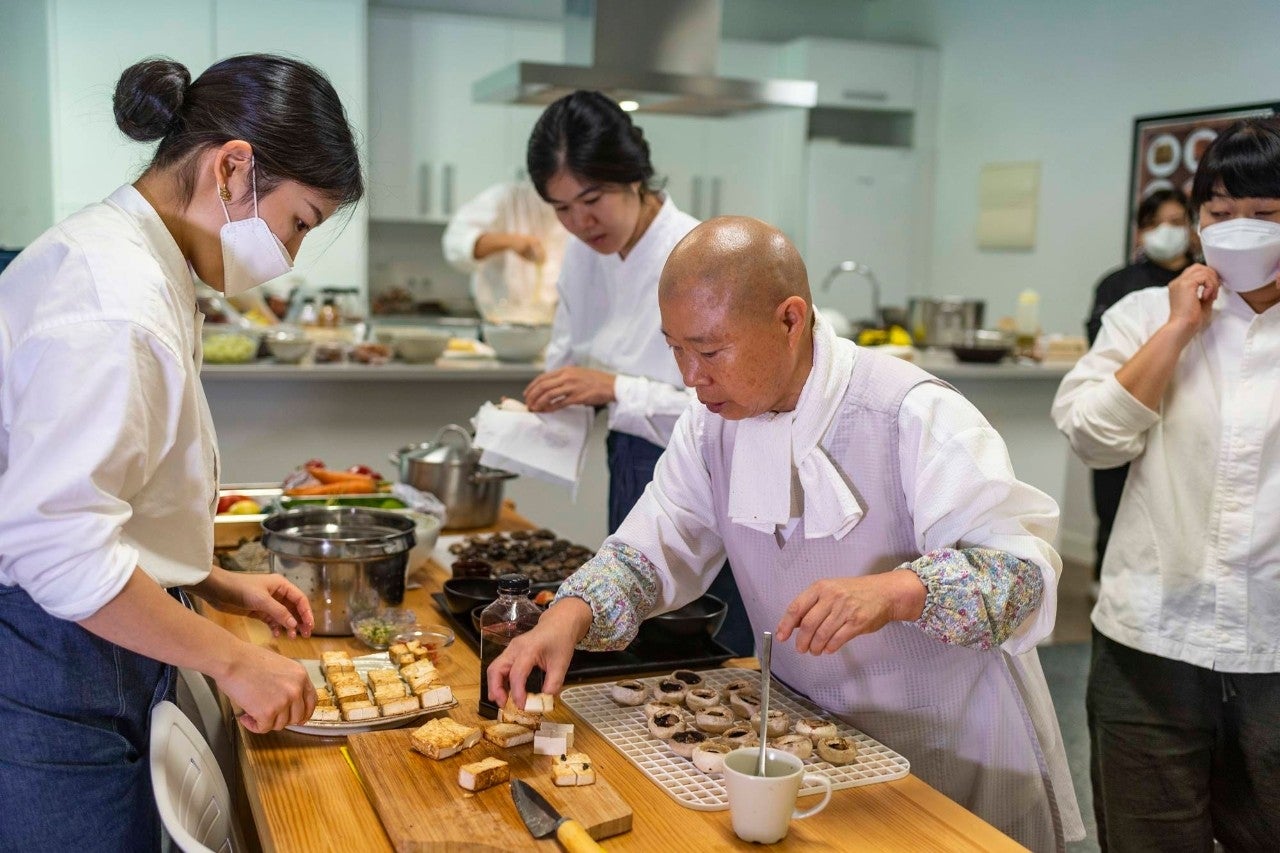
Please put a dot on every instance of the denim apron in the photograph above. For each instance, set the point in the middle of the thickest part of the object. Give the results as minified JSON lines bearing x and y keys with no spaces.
{"x":631,"y":464}
{"x":74,"y":735}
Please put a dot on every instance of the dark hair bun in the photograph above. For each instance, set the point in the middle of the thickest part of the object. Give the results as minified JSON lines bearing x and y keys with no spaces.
{"x":149,"y":97}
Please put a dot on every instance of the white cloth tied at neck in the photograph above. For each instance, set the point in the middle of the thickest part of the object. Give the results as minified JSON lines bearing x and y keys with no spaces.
{"x":769,"y":447}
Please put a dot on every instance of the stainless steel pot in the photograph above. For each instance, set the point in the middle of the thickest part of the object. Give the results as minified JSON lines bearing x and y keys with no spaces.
{"x":943,"y":322}
{"x":347,"y":560}
{"x":449,"y":468}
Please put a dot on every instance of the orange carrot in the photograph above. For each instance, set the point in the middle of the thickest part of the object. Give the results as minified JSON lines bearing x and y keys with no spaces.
{"x":325,"y":475}
{"x":341,"y":487}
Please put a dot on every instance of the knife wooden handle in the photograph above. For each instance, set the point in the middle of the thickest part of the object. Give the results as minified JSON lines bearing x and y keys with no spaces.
{"x":575,"y":839}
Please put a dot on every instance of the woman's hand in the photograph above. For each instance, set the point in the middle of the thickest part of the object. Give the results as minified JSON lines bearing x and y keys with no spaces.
{"x":268,"y":598}
{"x":271,"y":690}
{"x":833,"y":611}
{"x":569,"y":386}
{"x":549,"y":646}
{"x":1191,"y":297}
{"x":528,"y":247}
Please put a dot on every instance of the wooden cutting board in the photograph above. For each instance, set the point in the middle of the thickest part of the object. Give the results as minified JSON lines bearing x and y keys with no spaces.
{"x":423,"y":808}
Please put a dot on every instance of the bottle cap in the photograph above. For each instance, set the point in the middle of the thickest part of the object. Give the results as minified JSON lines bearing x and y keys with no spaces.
{"x":514,"y":584}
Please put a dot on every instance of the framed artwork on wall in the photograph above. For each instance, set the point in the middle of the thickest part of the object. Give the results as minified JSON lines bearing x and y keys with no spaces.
{"x":1167,"y":149}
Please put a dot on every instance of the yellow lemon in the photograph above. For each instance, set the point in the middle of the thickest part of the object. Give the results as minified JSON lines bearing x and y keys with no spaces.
{"x":244,"y":507}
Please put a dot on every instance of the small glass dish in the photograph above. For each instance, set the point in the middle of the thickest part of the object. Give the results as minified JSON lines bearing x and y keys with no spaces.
{"x":434,"y":638}
{"x":380,"y":629}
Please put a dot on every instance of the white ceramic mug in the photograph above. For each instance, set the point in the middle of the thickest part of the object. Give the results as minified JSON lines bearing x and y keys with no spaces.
{"x":762,"y":807}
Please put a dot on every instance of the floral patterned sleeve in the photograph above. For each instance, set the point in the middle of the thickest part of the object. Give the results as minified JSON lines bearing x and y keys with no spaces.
{"x":976,"y":596}
{"x":620,"y":586}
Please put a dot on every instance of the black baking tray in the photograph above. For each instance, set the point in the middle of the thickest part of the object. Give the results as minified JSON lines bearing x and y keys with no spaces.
{"x":646,"y":654}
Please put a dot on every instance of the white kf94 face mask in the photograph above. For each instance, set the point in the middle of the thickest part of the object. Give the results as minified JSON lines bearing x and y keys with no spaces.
{"x":1166,"y":241}
{"x":251,"y":254}
{"x":1245,"y":252}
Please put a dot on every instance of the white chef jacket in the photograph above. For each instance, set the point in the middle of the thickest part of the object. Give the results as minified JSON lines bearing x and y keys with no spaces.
{"x":1192,"y":571}
{"x":107,"y":450}
{"x":505,"y":286}
{"x":608,"y":319}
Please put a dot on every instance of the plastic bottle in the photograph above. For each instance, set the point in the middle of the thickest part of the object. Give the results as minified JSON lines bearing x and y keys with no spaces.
{"x":511,"y":615}
{"x":1026,"y":321}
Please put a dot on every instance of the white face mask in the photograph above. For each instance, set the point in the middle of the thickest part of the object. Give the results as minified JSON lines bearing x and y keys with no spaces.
{"x":1166,"y":241}
{"x":251,"y":254}
{"x":1245,"y":252}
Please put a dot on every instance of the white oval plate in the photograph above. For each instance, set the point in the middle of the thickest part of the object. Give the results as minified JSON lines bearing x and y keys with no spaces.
{"x":1163,"y":170}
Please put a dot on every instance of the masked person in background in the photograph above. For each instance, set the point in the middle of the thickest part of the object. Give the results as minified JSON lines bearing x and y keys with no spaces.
{"x":1184,"y":688}
{"x":108,"y":466}
{"x":872,"y":520}
{"x":591,"y":164}
{"x":1167,"y":248}
{"x":511,"y":243}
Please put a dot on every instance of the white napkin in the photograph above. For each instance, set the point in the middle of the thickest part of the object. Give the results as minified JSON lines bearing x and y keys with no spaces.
{"x":550,"y":446}
{"x":772,"y":448}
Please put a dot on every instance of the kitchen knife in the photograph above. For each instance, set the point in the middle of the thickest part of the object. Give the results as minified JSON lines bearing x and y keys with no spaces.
{"x":542,"y":820}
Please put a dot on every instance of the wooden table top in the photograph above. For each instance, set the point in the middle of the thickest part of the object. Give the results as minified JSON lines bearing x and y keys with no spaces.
{"x":304,"y":797}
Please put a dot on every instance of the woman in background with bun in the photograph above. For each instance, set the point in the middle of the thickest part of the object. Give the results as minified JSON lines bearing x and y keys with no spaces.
{"x":591,"y":164}
{"x":108,"y":467}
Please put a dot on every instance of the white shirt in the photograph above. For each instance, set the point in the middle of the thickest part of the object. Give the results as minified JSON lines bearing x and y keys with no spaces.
{"x":107,"y":450}
{"x":608,"y":319}
{"x":505,"y":286}
{"x":1192,"y":571}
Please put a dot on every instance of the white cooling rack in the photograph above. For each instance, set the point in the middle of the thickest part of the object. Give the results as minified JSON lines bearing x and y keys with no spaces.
{"x":625,"y":728}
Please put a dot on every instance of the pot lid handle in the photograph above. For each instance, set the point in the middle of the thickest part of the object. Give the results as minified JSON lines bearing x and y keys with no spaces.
{"x":454,"y":429}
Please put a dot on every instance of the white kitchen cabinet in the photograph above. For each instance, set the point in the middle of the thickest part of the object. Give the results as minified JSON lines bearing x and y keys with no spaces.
{"x":432,"y":147}
{"x":856,"y":74}
{"x":862,"y":205}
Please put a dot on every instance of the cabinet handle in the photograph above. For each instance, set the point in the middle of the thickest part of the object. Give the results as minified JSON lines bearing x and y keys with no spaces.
{"x":715,"y":196}
{"x":448,"y":189}
{"x":864,"y":95}
{"x":697,"y":197}
{"x":424,"y":189}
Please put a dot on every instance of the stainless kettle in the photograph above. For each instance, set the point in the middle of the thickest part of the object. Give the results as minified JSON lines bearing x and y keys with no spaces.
{"x":449,"y":468}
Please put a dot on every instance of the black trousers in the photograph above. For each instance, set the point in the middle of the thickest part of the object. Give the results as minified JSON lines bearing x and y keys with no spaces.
{"x":1181,"y":755}
{"x":1108,"y":485}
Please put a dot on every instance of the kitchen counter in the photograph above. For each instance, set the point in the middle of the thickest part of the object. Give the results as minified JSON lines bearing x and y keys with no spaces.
{"x":940,"y":363}
{"x":302,"y":795}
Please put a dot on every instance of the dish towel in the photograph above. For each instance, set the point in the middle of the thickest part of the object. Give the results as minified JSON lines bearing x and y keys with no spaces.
{"x":550,"y":446}
{"x":771,"y":450}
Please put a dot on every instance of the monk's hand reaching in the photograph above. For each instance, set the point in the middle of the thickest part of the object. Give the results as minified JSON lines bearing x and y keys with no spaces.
{"x":548,"y":646}
{"x":833,"y":611}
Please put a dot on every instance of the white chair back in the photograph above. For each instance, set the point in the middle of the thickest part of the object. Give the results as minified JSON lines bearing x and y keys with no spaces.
{"x":197,"y":700}
{"x":191,"y":795}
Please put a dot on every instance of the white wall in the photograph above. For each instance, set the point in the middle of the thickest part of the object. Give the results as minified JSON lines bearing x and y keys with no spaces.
{"x":1061,"y":82}
{"x":26,"y":194}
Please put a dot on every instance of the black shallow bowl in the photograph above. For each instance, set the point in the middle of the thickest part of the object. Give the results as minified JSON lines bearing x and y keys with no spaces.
{"x":980,"y":354}
{"x":463,"y":594}
{"x":703,"y":615}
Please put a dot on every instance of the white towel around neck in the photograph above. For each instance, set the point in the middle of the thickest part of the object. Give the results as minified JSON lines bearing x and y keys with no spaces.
{"x":770,"y":447}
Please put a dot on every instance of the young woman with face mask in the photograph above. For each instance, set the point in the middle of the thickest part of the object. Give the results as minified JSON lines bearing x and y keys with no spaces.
{"x":1164,"y":231}
{"x":591,"y":164}
{"x":108,"y":468}
{"x":1184,"y":688}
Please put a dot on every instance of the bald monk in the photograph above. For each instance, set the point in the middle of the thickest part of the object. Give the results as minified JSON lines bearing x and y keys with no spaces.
{"x":872,"y":521}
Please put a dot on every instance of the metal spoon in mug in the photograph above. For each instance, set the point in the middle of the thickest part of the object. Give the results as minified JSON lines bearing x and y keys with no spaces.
{"x":766,"y":649}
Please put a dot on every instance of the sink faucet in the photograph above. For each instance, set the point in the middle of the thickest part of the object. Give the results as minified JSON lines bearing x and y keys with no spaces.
{"x":862,"y":270}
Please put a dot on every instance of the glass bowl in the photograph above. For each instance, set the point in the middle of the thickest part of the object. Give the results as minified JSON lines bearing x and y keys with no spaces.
{"x":380,"y":629}
{"x":434,"y":638}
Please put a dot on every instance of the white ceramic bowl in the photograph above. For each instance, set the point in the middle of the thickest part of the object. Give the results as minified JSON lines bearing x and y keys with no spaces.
{"x":516,"y":342}
{"x":288,"y":347}
{"x":419,"y":346}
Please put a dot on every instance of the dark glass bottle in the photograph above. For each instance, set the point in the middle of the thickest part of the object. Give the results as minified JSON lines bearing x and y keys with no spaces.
{"x":502,"y":621}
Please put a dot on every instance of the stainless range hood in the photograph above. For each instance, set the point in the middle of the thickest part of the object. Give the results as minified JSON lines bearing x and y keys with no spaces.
{"x":661,"y":54}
